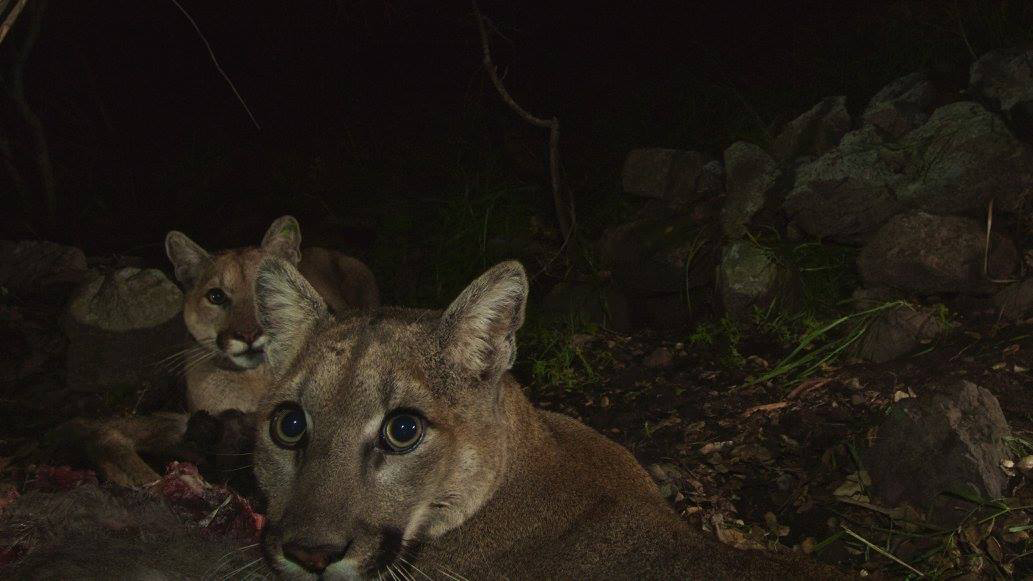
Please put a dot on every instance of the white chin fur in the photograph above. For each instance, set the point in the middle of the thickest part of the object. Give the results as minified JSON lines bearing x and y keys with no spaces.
{"x":247,"y":361}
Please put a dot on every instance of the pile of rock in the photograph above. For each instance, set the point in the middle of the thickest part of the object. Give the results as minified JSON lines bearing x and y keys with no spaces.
{"x":911,"y":182}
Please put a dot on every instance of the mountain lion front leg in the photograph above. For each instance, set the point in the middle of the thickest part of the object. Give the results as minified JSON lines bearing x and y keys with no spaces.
{"x":114,"y":446}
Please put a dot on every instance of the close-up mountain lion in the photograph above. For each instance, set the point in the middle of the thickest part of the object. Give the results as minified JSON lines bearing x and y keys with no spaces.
{"x":397,"y":444}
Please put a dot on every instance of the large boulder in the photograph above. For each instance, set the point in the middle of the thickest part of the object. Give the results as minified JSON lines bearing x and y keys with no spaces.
{"x":902,"y":105}
{"x":813,"y":133}
{"x":949,"y":439}
{"x":29,"y":267}
{"x":925,"y":254}
{"x":963,"y":157}
{"x":750,"y":173}
{"x":121,"y":325}
{"x":675,"y":176}
{"x":847,"y":193}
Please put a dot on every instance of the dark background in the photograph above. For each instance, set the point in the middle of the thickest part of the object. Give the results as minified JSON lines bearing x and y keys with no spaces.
{"x":380,"y":132}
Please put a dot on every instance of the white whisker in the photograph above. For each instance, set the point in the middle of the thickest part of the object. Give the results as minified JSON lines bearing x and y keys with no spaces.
{"x":241,"y":569}
{"x":414,"y":567}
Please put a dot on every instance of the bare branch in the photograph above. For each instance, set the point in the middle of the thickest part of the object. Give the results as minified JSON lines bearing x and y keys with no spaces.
{"x":215,"y":61}
{"x":12,"y":16}
{"x":564,"y":211}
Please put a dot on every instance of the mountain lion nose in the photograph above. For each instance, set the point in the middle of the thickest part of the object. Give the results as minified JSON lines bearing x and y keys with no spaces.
{"x":315,"y":559}
{"x":249,"y":336}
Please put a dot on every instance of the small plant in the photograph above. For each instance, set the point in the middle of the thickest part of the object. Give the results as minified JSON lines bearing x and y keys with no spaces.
{"x":821,"y":346}
{"x":554,"y":357}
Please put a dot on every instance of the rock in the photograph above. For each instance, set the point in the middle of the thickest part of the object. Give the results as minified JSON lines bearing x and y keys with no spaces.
{"x":963,"y":157}
{"x":750,"y":174}
{"x":747,"y":277}
{"x":847,"y":193}
{"x":925,"y":254}
{"x":901,"y":105}
{"x":814,"y":132}
{"x":898,"y":331}
{"x":949,"y":440}
{"x":660,"y":255}
{"x":120,"y":326}
{"x":671,"y":175}
{"x":127,"y":299}
{"x":1003,"y":78}
{"x":660,"y":358}
{"x":30,"y":267}
{"x":1015,"y":301}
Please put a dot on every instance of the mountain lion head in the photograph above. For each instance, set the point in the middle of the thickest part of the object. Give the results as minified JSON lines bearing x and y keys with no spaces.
{"x":219,"y":304}
{"x":383,"y":428}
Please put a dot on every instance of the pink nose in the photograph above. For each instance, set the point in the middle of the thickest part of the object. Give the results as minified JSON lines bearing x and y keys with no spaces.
{"x":315,"y":559}
{"x":249,"y":336}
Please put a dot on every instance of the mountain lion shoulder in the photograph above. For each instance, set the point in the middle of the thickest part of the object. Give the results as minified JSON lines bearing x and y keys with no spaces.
{"x":398,"y":443}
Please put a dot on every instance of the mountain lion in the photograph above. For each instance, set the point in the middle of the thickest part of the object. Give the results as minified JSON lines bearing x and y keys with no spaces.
{"x":396,"y":444}
{"x":224,"y":367}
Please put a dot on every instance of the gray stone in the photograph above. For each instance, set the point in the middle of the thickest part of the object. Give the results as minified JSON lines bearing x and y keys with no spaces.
{"x":847,"y":193}
{"x":963,"y":157}
{"x":926,"y":253}
{"x":671,"y":175}
{"x":748,"y":277}
{"x":1004,"y":78}
{"x":901,"y":105}
{"x":951,"y":438}
{"x":29,"y":267}
{"x":1015,"y":301}
{"x":813,"y":133}
{"x":126,"y":299}
{"x":750,"y":174}
{"x":898,"y":331}
{"x":121,"y":326}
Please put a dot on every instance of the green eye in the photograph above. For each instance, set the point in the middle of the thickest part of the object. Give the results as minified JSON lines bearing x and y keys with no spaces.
{"x":216,"y":296}
{"x":288,"y":426}
{"x":402,"y":432}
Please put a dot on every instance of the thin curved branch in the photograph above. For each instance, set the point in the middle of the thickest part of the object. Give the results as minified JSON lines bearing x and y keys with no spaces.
{"x":215,"y":61}
{"x":564,"y":211}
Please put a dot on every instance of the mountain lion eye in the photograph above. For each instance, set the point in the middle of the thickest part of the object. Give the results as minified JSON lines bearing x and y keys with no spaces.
{"x":216,"y":296}
{"x":288,"y":426}
{"x":402,"y":432}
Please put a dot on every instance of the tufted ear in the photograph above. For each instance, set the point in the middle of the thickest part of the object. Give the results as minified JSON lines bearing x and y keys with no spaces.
{"x":477,"y":333}
{"x":283,"y":239}
{"x":287,"y":308}
{"x":188,"y":259}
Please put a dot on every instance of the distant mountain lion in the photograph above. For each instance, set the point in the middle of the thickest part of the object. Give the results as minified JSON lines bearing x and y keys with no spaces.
{"x":397,"y":445}
{"x":225,"y":366}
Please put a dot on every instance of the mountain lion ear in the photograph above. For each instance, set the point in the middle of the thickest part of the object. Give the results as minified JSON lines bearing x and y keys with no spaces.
{"x":287,"y":308}
{"x":188,"y":259}
{"x":478,"y":330}
{"x":283,"y":239}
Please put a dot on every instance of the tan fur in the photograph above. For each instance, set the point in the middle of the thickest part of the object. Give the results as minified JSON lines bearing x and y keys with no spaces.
{"x":226,"y":369}
{"x":495,"y":488}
